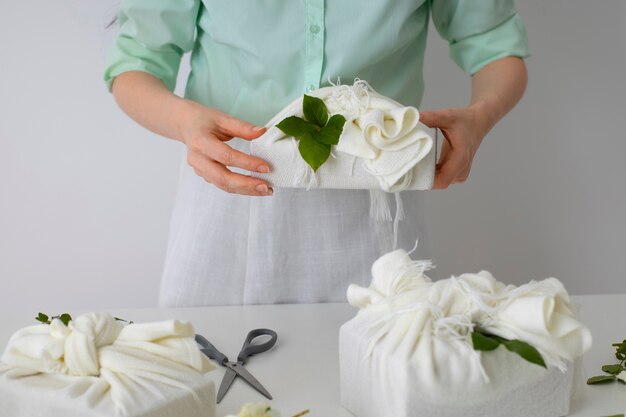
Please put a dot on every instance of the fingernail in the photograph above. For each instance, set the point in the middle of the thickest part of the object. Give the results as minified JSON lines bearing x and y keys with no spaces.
{"x":262,"y":188}
{"x":263,"y":168}
{"x":257,"y":128}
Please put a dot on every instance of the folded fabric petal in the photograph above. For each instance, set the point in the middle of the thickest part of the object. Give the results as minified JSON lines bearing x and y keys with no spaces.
{"x":382,"y":145}
{"x":352,"y":142}
{"x":392,"y":129}
{"x":392,"y":274}
{"x":37,"y":348}
{"x":540,"y":313}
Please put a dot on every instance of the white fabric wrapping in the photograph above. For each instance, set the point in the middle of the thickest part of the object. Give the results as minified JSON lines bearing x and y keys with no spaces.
{"x":96,"y":366}
{"x":382,"y":146}
{"x":256,"y":410}
{"x":408,"y":351}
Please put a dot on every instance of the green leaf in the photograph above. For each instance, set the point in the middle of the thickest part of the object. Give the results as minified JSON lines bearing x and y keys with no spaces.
{"x":65,"y":318}
{"x":612,"y":369}
{"x":42,"y":318}
{"x":601,"y":379}
{"x":526,"y":351}
{"x":295,"y":126}
{"x":484,"y":342}
{"x":315,"y":110}
{"x":313,"y":152}
{"x":330,"y":133}
{"x":127,"y":321}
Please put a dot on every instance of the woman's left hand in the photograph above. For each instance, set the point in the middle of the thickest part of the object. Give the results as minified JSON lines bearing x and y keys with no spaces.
{"x":463,"y":129}
{"x":496,"y":88}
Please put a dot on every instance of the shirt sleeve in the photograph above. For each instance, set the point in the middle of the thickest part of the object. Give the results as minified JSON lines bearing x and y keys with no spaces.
{"x":480,"y":31}
{"x":153,"y":36}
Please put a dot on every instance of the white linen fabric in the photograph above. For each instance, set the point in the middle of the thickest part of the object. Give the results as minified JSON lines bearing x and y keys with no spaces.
{"x":408,"y":351}
{"x":96,"y":366}
{"x":377,"y":384}
{"x":297,"y":246}
{"x":382,"y":145}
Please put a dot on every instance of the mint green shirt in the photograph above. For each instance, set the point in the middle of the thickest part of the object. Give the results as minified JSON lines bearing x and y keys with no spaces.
{"x":251,"y":58}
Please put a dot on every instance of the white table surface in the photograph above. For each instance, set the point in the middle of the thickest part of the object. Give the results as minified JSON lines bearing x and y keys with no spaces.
{"x":301,"y":371}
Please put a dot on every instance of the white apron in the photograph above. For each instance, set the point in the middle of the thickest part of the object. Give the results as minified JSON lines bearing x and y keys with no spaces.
{"x":297,"y":246}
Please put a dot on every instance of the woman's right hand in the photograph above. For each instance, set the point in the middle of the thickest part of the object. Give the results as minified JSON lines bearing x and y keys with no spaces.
{"x":205,"y":132}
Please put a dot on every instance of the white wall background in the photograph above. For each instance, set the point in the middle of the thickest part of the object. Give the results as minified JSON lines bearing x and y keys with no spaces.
{"x":85,"y":194}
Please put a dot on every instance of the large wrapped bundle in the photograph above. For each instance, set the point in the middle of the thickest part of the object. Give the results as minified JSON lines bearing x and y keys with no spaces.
{"x":382,"y":145}
{"x":412,"y":349}
{"x":96,"y":366}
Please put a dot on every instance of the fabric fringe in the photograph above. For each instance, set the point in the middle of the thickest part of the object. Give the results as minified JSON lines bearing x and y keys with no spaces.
{"x":399,"y":216}
{"x":379,"y":206}
{"x":381,"y":211}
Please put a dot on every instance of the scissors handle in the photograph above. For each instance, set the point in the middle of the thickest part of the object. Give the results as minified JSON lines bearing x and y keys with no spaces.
{"x":210,"y":350}
{"x":249,"y":348}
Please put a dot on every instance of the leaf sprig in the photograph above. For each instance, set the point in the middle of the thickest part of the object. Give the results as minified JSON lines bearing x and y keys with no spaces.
{"x":613,"y":371}
{"x":316,"y":132}
{"x":487,"y":342}
{"x":65,"y":318}
{"x":45,"y":319}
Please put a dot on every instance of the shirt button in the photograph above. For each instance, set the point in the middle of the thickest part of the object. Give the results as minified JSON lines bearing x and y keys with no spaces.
{"x":310,"y":88}
{"x":314,"y":29}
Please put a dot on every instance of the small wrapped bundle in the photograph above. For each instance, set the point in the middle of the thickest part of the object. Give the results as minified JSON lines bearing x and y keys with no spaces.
{"x":382,"y":145}
{"x":96,"y":367}
{"x":411,"y":349}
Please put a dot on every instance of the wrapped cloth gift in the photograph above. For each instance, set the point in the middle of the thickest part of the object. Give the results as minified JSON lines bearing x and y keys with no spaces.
{"x":410,"y":352}
{"x":96,"y":366}
{"x":382,"y":146}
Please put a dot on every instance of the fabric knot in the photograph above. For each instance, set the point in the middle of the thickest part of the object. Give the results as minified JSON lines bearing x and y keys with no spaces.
{"x":84,"y":336}
{"x":350,"y":100}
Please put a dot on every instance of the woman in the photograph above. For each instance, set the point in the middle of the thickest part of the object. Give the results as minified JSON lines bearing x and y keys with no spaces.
{"x":233,"y":239}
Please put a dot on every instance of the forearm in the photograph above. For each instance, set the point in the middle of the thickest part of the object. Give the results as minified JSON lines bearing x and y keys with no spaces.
{"x":496,"y":89}
{"x":146,"y":99}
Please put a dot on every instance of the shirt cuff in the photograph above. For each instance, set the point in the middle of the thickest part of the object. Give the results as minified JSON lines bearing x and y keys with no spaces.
{"x":507,"y":39}
{"x":129,"y":55}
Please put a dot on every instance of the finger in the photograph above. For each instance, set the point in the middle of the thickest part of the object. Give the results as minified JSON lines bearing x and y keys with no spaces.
{"x":445,"y":148}
{"x":231,"y":182}
{"x":462,"y":176}
{"x":436,"y":118}
{"x":449,"y":169}
{"x":233,"y":127}
{"x":228,"y":156}
{"x":207,"y":145}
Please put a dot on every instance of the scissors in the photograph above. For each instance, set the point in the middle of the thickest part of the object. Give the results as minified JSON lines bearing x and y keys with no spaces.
{"x":235,"y":369}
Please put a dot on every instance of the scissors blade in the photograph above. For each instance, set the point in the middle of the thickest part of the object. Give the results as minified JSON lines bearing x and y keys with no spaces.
{"x":227,"y":381}
{"x":247,"y":376}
